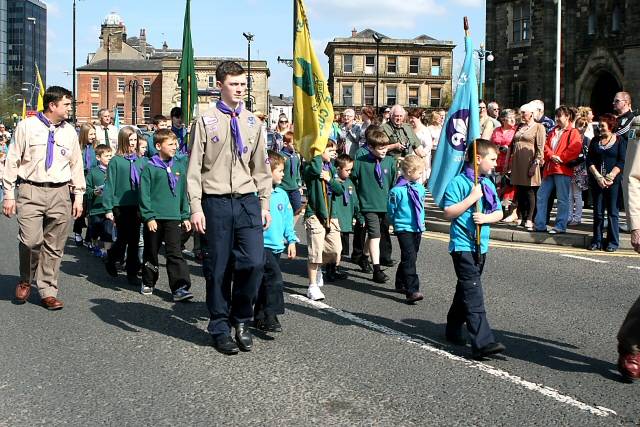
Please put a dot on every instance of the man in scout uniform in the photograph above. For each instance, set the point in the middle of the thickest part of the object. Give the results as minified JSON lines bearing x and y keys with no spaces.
{"x":229,"y":185}
{"x":106,"y":132}
{"x":45,"y":160}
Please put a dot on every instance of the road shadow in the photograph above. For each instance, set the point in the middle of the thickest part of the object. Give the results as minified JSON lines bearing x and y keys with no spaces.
{"x":180,"y":322}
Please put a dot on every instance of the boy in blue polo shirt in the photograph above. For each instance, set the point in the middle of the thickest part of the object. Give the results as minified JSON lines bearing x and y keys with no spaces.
{"x":405,"y":211}
{"x":459,"y":204}
{"x":270,"y":301}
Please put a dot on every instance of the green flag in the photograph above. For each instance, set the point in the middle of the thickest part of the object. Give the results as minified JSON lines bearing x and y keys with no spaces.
{"x":187,"y":75}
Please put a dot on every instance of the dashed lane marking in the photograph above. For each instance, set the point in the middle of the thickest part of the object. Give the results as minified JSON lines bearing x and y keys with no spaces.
{"x":600,"y":411}
{"x":584,"y":258}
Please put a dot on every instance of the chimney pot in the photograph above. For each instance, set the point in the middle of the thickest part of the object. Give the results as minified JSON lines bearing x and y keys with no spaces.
{"x":354,"y":32}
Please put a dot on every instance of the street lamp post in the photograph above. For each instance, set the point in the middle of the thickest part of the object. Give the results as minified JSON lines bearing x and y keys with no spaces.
{"x":558,"y":51}
{"x":108,"y":67}
{"x":249,"y":38}
{"x":33,"y":50}
{"x":73,"y":84}
{"x":483,"y":55}
{"x":378,"y":38}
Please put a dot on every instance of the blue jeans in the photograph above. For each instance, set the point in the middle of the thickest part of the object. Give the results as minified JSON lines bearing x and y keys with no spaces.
{"x":562,"y":185}
{"x":606,"y":199}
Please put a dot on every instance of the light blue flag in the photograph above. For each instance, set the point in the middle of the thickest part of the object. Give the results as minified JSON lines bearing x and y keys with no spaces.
{"x":116,"y":118}
{"x":461,"y":127}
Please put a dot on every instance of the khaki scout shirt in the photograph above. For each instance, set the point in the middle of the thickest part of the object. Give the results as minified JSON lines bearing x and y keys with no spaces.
{"x":113,"y":136}
{"x":28,"y":151}
{"x":214,"y":167}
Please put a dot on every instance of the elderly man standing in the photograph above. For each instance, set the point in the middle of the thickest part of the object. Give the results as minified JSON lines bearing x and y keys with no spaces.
{"x":539,"y":116}
{"x":493,"y":110}
{"x":622,"y":107}
{"x":629,"y":334}
{"x":350,"y":133}
{"x":401,"y":134}
{"x":106,"y":132}
{"x":45,"y":159}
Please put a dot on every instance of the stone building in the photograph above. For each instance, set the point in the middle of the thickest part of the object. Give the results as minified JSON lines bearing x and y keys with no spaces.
{"x":600,"y":51}
{"x":131,"y":62}
{"x":413,"y":72}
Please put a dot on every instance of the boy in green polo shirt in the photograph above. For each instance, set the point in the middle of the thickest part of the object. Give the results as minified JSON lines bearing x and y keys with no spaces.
{"x":322,"y":226}
{"x":164,"y":208}
{"x":373,"y":175}
{"x":99,"y":226}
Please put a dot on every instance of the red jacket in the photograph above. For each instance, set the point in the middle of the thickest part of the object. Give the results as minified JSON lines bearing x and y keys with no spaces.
{"x":568,"y":149}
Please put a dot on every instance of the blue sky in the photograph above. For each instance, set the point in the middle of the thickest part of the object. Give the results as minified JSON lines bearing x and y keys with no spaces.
{"x":217,"y":27}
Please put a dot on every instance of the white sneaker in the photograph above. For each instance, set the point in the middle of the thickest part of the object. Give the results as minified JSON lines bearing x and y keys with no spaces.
{"x":146,"y":290}
{"x":314,"y":293}
{"x":319,"y":278}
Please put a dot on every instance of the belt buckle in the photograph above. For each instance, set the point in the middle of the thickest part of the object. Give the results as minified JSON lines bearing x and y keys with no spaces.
{"x":236,"y":195}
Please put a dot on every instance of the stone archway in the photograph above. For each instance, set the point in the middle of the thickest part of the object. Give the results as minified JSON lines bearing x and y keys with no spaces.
{"x":604,"y":89}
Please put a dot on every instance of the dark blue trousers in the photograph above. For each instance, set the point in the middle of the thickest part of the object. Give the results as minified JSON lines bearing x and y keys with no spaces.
{"x":271,"y":293}
{"x":468,"y":301}
{"x":407,"y":276}
{"x":235,"y":253}
{"x":606,"y":199}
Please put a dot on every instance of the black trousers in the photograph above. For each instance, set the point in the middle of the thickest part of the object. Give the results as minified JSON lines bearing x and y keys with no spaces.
{"x":127,"y":224}
{"x":468,"y":301}
{"x":80,"y":223}
{"x":169,"y":232}
{"x":344,"y":237}
{"x":235,"y":253}
{"x":406,"y":275}
{"x":270,"y":299}
{"x":100,"y":228}
{"x":385,"y":242}
{"x":359,"y":238}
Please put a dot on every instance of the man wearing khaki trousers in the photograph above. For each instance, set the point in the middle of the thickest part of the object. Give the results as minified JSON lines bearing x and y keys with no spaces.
{"x":45,"y":160}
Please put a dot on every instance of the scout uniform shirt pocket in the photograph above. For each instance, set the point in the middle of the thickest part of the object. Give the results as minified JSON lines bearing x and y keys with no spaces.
{"x":37,"y":148}
{"x":62,"y":149}
{"x":214,"y":137}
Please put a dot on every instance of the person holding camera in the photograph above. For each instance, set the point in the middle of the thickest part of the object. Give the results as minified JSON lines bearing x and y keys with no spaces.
{"x":401,"y":134}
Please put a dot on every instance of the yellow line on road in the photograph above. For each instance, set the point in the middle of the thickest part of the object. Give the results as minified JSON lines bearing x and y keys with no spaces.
{"x":537,"y":247}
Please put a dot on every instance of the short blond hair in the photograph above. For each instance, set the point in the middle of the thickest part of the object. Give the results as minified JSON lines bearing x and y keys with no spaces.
{"x":412,"y":163}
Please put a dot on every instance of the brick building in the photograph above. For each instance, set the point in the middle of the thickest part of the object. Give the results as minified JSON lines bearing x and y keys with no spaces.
{"x":132,"y":62}
{"x":600,"y":51}
{"x":413,"y":72}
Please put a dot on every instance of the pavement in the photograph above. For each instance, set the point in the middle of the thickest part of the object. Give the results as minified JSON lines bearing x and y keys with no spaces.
{"x":361,"y":357}
{"x":578,"y":236}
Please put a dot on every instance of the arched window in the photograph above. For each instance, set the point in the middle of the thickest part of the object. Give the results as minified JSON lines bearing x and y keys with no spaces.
{"x":616,"y":18}
{"x":593,"y":18}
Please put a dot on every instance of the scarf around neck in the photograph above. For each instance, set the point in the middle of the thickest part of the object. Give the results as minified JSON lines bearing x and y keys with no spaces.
{"x":159,"y":163}
{"x":51,"y":141}
{"x":293,"y":160}
{"x":378,"y":172}
{"x":417,"y":205}
{"x":134,"y":175}
{"x":489,"y":198}
{"x":235,"y":124}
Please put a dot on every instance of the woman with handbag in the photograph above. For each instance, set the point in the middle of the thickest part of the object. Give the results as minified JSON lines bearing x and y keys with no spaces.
{"x":525,"y":160}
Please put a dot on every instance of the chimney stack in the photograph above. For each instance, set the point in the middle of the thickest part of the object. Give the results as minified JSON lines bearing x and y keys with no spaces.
{"x":353,"y":32}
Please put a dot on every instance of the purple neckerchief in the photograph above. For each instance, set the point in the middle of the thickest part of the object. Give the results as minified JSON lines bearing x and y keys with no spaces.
{"x":414,"y":197}
{"x":182,"y":147}
{"x":235,"y":125}
{"x":293,"y":160}
{"x":490,"y":199}
{"x":134,"y":175}
{"x":327,"y":167}
{"x":51,"y":140}
{"x":159,"y":163}
{"x":87,"y":157}
{"x":346,"y":196}
{"x":102,"y":167}
{"x":378,"y":169}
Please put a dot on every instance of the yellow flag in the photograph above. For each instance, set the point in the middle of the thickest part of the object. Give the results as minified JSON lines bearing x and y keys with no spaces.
{"x":24,"y":109}
{"x":40,"y":90}
{"x":312,"y":108}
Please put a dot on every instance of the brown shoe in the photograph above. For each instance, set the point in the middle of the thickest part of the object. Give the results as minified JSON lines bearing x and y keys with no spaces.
{"x":22,"y":292}
{"x":415,"y":297}
{"x":52,"y":303}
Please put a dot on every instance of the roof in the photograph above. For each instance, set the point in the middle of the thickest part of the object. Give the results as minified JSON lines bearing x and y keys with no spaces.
{"x":368,"y":34}
{"x":123,"y":65}
{"x":286,"y":101}
{"x":365,"y":37}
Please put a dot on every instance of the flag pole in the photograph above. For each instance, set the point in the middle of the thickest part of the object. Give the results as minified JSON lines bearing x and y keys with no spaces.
{"x":467,"y":33}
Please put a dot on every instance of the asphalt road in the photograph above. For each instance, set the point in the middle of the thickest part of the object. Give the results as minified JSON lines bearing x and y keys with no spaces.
{"x":116,"y":357}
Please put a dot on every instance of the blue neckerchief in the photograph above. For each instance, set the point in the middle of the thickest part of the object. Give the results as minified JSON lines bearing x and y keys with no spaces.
{"x":378,"y":172}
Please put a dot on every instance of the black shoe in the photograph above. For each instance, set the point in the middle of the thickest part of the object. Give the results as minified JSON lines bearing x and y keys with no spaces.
{"x":112,"y":270}
{"x":488,"y":350}
{"x":457,"y":340}
{"x":387,"y":263}
{"x":365,"y":265}
{"x":133,"y":280}
{"x":224,"y":344}
{"x":380,"y":277}
{"x":269,"y":324}
{"x":355,"y":259}
{"x":243,"y":337}
{"x":594,"y":247}
{"x":340,"y":274}
{"x":329,"y":273}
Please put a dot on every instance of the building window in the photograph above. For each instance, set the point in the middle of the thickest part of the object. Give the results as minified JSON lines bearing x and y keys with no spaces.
{"x":211,"y":82}
{"x":146,"y":85}
{"x":121,"y":84}
{"x":592,"y":23}
{"x":435,"y":66}
{"x":436,"y":94}
{"x":413,"y":96}
{"x":120,"y":111}
{"x":519,"y":93}
{"x":414,"y":65}
{"x":146,"y":112}
{"x":347,"y":96}
{"x":347,"y":65}
{"x":94,"y":110}
{"x":369,"y":95}
{"x":392,"y":92}
{"x":392,"y":64}
{"x":616,"y":19}
{"x":95,"y":84}
{"x":369,"y":64}
{"x":522,"y":22}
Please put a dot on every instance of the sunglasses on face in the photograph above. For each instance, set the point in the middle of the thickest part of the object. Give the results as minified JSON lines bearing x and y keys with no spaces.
{"x":284,"y":121}
{"x":482,"y":108}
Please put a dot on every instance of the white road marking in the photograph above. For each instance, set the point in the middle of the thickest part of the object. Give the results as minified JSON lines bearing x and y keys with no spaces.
{"x":633,"y":267}
{"x":584,"y":258}
{"x":600,"y":411}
